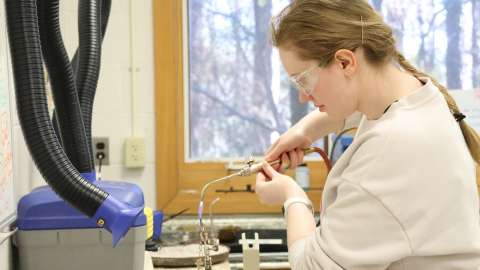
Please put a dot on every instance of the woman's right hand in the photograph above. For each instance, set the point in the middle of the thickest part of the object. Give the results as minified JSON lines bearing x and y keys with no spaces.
{"x":292,"y":144}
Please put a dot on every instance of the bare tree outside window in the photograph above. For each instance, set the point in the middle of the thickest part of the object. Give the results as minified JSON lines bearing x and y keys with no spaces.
{"x":239,"y":97}
{"x":454,"y":32}
{"x":235,"y":107}
{"x":475,"y":43}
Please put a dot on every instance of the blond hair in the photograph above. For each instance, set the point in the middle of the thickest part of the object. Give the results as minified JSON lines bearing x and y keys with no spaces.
{"x":317,"y":29}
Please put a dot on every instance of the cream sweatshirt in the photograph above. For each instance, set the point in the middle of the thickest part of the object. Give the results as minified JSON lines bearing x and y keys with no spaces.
{"x":402,"y":196}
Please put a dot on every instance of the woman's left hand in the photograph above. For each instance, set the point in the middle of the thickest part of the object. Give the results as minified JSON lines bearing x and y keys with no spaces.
{"x":274,"y":188}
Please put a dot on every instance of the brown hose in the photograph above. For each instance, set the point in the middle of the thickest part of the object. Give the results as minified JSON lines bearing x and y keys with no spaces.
{"x":322,"y":153}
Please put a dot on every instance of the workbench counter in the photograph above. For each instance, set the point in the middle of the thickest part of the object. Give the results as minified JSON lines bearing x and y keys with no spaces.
{"x":223,"y":266}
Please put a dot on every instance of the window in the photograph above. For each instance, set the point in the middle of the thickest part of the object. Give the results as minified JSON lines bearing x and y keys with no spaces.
{"x":222,"y":93}
{"x":239,"y":96}
{"x":441,"y":37}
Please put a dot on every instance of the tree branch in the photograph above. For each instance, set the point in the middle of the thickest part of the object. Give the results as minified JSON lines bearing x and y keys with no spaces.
{"x":232,"y":16}
{"x":230,"y":109}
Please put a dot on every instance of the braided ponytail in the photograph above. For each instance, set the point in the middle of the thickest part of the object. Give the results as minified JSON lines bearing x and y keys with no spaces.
{"x":470,"y":135}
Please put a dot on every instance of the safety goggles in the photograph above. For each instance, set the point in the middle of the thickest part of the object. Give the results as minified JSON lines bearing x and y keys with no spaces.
{"x":305,"y":81}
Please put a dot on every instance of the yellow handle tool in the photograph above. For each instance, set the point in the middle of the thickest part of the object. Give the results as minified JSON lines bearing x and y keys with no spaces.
{"x":149,"y":215}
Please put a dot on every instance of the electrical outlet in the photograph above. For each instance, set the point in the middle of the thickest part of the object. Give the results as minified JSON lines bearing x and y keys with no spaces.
{"x":135,"y":152}
{"x":101,"y":149}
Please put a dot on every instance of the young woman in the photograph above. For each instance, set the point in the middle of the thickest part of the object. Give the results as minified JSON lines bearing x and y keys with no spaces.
{"x":404,"y":194}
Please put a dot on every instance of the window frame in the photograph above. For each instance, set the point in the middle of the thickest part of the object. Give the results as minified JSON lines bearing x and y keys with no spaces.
{"x":178,"y":181}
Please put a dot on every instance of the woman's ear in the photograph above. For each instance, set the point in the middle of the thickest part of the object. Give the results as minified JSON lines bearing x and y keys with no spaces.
{"x":346,"y":60}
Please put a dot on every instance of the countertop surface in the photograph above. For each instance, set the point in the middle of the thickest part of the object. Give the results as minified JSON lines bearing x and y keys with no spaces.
{"x":222,"y":266}
{"x":184,"y":229}
{"x":191,"y":223}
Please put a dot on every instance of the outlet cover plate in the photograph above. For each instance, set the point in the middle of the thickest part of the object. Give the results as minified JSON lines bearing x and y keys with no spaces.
{"x":101,"y":145}
{"x":135,"y":153}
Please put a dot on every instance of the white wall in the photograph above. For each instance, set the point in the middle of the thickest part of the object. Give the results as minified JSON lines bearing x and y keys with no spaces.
{"x":113,"y":112}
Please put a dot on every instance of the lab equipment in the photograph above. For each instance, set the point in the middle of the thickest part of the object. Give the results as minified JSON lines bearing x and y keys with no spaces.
{"x":344,"y":140}
{"x":64,"y":225}
{"x":251,"y":253}
{"x":207,"y":241}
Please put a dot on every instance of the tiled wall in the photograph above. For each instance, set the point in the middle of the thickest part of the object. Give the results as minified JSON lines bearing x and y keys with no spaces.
{"x":113,"y":103}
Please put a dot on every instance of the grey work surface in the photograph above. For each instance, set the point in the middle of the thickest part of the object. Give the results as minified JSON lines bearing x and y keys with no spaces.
{"x":186,"y":255}
{"x":149,"y":265}
{"x":222,"y":266}
{"x":185,"y":228}
{"x":190,"y":222}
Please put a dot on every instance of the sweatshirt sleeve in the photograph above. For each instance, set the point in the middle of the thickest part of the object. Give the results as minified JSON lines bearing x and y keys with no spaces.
{"x":357,"y":232}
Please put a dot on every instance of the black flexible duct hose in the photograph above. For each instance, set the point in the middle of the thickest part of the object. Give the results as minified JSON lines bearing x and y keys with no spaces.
{"x":67,"y":106}
{"x":40,"y":138}
{"x":89,"y":51}
{"x":105,"y":10}
{"x":105,"y":6}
